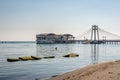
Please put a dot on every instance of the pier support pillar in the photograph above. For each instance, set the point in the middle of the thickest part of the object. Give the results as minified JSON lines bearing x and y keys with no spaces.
{"x":95,"y":34}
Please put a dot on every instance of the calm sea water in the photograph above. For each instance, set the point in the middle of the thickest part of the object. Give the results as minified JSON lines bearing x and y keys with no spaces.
{"x":45,"y":68}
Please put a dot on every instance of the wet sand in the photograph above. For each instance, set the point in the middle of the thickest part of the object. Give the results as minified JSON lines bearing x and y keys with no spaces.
{"x":100,"y":71}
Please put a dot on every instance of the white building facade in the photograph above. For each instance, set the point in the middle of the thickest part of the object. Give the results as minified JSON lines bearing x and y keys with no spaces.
{"x":50,"y":38}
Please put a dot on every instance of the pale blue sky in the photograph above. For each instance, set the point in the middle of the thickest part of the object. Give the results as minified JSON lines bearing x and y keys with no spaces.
{"x":23,"y":19}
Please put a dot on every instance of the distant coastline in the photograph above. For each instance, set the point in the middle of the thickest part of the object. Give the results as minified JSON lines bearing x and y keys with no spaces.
{"x":17,"y":41}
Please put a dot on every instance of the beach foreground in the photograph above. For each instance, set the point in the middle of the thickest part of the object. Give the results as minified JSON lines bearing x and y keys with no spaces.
{"x":100,"y":71}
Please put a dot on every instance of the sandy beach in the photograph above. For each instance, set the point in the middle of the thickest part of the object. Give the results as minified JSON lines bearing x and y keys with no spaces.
{"x":100,"y":71}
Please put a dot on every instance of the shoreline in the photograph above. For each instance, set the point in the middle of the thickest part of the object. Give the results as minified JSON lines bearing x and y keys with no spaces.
{"x":101,"y":71}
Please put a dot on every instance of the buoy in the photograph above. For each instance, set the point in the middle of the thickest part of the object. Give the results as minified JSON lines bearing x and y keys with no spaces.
{"x":26,"y":58}
{"x":49,"y":57}
{"x":36,"y":57}
{"x":56,"y":48}
{"x":12,"y":59}
{"x":71,"y":55}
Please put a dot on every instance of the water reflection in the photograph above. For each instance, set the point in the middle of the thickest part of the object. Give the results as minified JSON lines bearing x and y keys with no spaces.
{"x":58,"y":50}
{"x":94,"y":53}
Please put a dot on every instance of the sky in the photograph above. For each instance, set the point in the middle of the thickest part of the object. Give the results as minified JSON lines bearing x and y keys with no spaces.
{"x":21,"y":20}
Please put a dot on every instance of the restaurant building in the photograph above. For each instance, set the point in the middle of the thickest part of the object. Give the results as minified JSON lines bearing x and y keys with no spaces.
{"x":51,"y":38}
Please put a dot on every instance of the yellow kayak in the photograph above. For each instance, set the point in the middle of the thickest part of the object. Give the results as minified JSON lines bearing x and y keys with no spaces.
{"x":49,"y":57}
{"x":26,"y":58}
{"x":71,"y":55}
{"x":36,"y":57}
{"x":12,"y":59}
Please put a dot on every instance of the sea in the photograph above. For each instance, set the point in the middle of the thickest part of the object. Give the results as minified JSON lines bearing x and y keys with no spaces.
{"x":46,"y":68}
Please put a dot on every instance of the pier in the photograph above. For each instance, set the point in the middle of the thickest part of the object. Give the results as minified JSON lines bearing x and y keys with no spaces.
{"x":94,"y":35}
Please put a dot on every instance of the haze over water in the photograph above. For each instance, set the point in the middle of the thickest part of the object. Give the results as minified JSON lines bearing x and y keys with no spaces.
{"x":45,"y":68}
{"x":21,"y":20}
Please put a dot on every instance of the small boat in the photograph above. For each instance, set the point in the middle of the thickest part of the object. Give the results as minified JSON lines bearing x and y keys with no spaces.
{"x":85,"y":43}
{"x":12,"y":59}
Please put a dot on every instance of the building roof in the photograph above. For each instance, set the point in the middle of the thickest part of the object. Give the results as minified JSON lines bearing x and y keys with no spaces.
{"x":53,"y":34}
{"x":67,"y":35}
